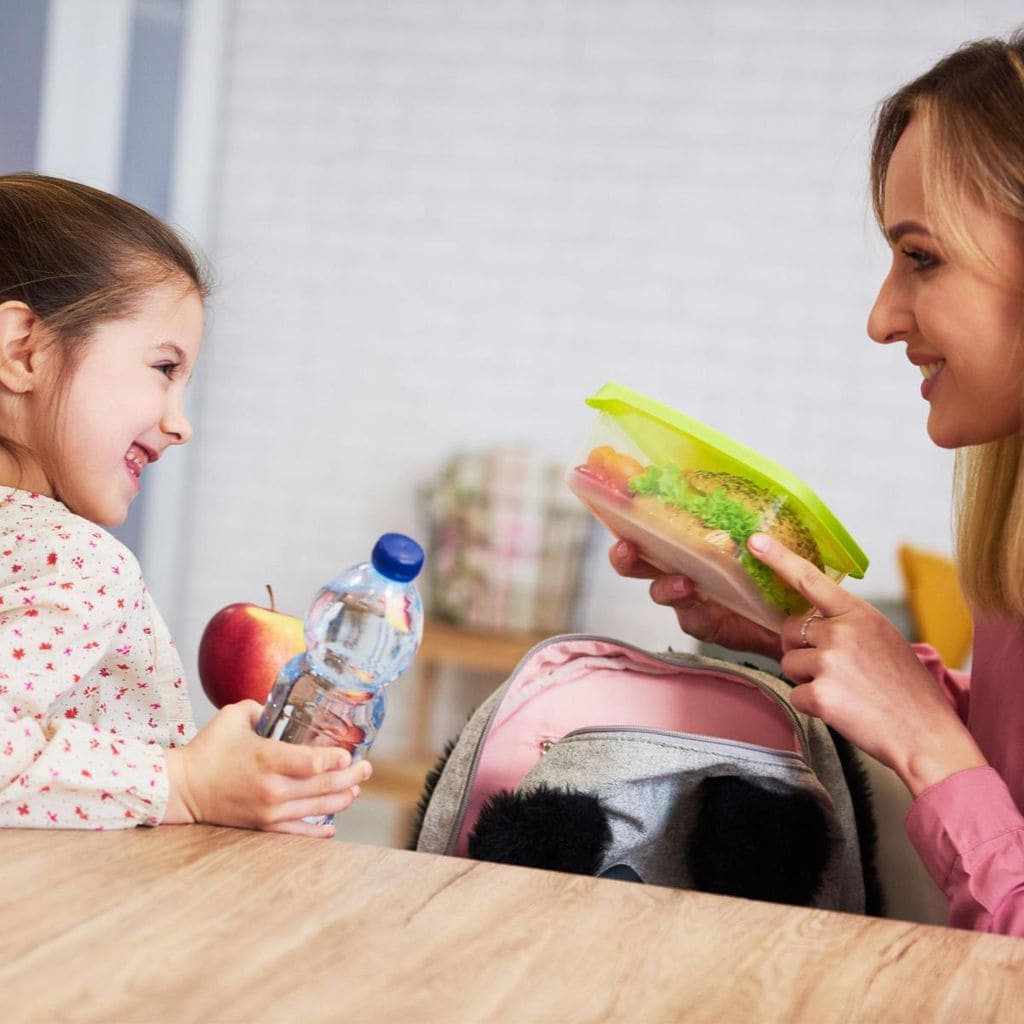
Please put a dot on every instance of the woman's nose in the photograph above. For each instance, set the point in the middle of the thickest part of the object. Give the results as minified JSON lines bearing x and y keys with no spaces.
{"x":890,"y":318}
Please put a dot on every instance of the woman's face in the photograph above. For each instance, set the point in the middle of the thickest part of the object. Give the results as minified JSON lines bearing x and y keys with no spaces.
{"x":963,"y":324}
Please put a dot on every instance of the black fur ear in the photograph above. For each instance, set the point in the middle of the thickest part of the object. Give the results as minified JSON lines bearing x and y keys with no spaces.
{"x":757,"y":843}
{"x":556,"y":829}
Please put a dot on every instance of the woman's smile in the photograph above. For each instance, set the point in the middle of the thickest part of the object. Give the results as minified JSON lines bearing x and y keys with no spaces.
{"x":960,"y":313}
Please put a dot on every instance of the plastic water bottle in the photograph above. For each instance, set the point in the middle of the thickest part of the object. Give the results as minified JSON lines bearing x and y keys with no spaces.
{"x":362,"y":632}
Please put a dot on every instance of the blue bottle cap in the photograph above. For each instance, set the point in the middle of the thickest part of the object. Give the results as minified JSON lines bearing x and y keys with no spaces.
{"x":398,"y":557}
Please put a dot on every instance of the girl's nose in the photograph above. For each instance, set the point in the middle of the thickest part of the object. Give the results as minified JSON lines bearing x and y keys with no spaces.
{"x":176,"y":424}
{"x":890,"y":318}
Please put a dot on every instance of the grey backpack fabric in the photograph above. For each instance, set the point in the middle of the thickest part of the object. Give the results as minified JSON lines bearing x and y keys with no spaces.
{"x":622,"y":798}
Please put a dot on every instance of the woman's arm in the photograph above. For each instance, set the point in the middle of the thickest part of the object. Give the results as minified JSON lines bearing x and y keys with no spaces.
{"x":970,"y":835}
{"x":858,"y":674}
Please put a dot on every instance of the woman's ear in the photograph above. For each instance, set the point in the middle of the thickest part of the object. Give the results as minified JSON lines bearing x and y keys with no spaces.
{"x":22,"y":341}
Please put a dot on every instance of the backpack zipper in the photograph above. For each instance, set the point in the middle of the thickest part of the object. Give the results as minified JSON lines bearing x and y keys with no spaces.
{"x":768,"y":753}
{"x":467,"y":787}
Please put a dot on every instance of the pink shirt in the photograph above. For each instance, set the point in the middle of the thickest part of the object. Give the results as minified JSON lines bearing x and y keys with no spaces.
{"x":91,"y":687}
{"x":968,"y":829}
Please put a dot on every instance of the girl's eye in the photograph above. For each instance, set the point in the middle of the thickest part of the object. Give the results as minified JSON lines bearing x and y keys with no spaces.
{"x":922,"y":260}
{"x":167,"y":369}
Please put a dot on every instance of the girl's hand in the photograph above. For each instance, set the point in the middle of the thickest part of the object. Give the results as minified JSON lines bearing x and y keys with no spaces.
{"x":703,"y":619}
{"x":227,"y":775}
{"x":853,"y":669}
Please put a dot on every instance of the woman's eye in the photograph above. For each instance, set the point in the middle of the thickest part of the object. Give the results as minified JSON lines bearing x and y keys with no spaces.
{"x":167,"y":369}
{"x":922,"y":260}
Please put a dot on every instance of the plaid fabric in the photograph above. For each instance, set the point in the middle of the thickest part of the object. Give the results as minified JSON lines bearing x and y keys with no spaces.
{"x":507,"y":541}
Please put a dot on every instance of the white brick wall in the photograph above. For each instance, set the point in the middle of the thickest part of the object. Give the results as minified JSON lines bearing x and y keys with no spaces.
{"x":442,"y":224}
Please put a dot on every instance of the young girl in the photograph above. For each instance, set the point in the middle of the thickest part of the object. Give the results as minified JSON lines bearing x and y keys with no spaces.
{"x":947,"y":171}
{"x":101,"y":318}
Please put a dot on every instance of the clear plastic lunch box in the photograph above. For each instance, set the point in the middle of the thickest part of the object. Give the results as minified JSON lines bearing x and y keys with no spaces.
{"x":689,"y":497}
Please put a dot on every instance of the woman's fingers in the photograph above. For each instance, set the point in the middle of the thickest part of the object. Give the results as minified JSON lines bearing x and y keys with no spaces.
{"x":804,"y":577}
{"x":673,"y":590}
{"x":666,"y":589}
{"x":800,"y":665}
{"x":626,"y":561}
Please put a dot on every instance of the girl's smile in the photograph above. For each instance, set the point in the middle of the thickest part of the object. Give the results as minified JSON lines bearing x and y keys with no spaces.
{"x":137,"y":459}
{"x":123,"y":408}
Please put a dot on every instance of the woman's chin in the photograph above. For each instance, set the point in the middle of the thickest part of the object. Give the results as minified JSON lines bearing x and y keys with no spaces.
{"x":945,"y":435}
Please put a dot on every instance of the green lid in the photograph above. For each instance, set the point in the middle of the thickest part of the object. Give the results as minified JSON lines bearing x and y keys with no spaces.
{"x":668,"y":436}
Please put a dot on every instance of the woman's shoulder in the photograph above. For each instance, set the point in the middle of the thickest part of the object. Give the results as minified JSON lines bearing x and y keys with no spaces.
{"x":38,"y":533}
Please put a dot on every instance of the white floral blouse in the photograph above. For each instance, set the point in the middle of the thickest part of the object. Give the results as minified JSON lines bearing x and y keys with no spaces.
{"x":91,"y":687}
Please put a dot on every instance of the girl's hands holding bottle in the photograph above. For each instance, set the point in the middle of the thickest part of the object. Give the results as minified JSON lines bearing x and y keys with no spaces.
{"x":227,"y":775}
{"x":851,"y":667}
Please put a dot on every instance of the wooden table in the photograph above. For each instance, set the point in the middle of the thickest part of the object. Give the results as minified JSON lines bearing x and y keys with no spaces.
{"x":191,"y":923}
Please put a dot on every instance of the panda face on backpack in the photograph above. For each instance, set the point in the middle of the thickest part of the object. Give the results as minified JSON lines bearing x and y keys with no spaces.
{"x":599,"y":758}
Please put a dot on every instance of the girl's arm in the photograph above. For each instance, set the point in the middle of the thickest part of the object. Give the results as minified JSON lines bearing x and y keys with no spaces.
{"x":83,"y":715}
{"x":68,"y":774}
{"x":228,"y":775}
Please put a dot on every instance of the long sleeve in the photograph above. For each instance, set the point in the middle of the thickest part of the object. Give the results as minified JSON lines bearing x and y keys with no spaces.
{"x":968,"y":829}
{"x":969,"y":833}
{"x":91,"y":690}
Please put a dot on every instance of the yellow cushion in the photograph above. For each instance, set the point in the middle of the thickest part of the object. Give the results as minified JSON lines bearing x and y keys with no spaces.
{"x":936,"y":604}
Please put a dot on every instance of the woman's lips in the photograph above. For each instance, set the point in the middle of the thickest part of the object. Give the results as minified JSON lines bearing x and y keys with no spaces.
{"x":930,"y":372}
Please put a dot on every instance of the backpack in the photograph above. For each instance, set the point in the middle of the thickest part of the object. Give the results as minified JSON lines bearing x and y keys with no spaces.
{"x":599,"y":758}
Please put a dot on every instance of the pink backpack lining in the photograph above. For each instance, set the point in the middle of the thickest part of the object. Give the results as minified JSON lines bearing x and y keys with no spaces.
{"x":579,"y":684}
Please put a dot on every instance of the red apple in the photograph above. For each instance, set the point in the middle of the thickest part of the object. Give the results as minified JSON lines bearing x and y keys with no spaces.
{"x":242,"y":650}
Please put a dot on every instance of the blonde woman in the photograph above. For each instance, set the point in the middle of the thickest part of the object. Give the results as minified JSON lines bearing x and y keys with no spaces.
{"x":947,"y":172}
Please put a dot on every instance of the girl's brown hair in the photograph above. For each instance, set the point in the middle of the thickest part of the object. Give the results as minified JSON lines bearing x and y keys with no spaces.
{"x":79,"y":257}
{"x":969,"y":109}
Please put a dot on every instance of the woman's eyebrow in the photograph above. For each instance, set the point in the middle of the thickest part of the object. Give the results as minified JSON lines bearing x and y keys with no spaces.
{"x":906,"y":227}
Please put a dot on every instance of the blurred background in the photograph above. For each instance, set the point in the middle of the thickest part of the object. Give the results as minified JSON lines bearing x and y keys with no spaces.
{"x":436,"y":226}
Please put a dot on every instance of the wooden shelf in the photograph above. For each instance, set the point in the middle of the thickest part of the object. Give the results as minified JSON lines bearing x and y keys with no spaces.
{"x":402,"y":778}
{"x":445,"y":645}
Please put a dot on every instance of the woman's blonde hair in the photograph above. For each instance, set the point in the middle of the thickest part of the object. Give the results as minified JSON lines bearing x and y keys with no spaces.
{"x":970,"y":110}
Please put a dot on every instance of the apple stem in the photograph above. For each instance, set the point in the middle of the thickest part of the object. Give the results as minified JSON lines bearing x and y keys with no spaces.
{"x":270,"y":591}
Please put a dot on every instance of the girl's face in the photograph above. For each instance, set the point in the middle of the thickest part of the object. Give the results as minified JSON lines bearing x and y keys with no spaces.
{"x":124,"y":405}
{"x":963,"y":325}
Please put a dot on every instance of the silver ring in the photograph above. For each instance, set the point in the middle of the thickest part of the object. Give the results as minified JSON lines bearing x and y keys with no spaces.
{"x":815,"y":614}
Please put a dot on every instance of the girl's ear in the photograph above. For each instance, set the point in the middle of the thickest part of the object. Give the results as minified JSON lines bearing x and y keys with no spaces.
{"x":21,"y":345}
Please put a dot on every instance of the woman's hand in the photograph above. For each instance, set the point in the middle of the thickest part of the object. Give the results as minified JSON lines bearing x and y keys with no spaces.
{"x":227,"y":775}
{"x":853,"y":669}
{"x":702,"y":619}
